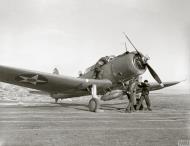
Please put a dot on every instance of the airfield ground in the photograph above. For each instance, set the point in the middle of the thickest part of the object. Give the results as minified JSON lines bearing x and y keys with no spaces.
{"x":70,"y":123}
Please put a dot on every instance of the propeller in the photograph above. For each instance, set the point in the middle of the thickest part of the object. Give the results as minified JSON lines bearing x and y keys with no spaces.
{"x":154,"y":74}
{"x":144,"y":60}
{"x":132,"y":44}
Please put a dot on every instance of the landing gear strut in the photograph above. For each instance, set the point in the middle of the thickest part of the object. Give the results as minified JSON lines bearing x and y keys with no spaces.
{"x":94,"y":101}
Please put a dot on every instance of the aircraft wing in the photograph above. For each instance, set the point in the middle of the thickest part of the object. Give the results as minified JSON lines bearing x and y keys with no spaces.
{"x":47,"y":82}
{"x":156,"y":86}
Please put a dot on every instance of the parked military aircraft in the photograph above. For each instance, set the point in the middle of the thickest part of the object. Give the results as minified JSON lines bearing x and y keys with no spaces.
{"x":117,"y":70}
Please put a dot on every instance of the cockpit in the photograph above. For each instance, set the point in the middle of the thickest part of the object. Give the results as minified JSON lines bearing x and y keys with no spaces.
{"x":107,"y":58}
{"x":110,"y":58}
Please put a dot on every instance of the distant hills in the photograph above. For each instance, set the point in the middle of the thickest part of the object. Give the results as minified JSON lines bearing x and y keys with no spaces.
{"x":10,"y":92}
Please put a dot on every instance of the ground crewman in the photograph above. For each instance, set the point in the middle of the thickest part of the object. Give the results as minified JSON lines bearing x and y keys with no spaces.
{"x":131,"y":95}
{"x":144,"y":95}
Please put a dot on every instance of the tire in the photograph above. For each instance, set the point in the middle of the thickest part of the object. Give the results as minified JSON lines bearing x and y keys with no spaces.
{"x":93,"y":105}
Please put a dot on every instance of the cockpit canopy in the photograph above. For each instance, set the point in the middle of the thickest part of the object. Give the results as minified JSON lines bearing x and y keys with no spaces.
{"x":107,"y":58}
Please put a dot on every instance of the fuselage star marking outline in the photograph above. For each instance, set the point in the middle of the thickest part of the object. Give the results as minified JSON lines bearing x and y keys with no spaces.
{"x":32,"y":80}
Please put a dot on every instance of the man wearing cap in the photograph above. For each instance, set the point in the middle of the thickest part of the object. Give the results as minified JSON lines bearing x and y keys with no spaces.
{"x":98,"y":67}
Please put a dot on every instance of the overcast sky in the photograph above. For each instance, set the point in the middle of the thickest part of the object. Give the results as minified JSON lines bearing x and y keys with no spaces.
{"x":74,"y":34}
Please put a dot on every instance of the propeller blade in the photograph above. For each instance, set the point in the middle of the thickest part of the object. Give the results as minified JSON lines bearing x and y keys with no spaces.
{"x":132,"y":44}
{"x":152,"y":72}
{"x":154,"y":75}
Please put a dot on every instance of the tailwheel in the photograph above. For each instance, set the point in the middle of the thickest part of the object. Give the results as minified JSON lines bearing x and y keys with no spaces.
{"x":93,"y":104}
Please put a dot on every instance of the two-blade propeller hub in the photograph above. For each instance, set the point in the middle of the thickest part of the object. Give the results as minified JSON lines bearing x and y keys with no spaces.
{"x":145,"y":59}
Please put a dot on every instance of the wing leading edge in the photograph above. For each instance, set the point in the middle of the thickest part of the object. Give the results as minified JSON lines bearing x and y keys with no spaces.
{"x":166,"y":84}
{"x":156,"y":86}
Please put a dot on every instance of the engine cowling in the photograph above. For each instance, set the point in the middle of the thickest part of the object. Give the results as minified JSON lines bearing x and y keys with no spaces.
{"x":127,"y":65}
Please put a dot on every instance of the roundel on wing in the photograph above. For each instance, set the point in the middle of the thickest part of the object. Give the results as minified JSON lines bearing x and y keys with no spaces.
{"x":33,"y":79}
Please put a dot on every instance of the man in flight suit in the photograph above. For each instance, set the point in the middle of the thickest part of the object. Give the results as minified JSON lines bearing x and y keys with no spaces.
{"x":98,"y":68}
{"x":145,"y":95}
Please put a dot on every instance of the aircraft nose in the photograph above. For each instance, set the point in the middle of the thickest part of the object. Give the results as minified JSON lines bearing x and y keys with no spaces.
{"x":145,"y":59}
{"x":140,"y":62}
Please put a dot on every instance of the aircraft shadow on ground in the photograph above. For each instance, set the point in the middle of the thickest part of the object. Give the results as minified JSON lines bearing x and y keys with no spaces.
{"x":111,"y":107}
{"x":83,"y":106}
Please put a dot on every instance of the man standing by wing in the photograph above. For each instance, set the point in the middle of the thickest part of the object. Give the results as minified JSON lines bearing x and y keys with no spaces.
{"x":132,"y":95}
{"x":145,"y":95}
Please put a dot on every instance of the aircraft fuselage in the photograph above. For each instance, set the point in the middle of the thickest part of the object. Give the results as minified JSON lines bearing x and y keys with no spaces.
{"x":121,"y":68}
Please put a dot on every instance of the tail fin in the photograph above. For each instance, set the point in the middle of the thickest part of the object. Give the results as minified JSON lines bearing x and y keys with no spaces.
{"x":55,"y":71}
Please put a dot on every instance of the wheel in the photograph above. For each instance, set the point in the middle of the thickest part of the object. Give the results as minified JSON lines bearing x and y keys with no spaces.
{"x":93,"y":104}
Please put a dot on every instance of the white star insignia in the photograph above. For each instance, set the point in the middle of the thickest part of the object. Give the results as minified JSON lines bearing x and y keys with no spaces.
{"x":33,"y":80}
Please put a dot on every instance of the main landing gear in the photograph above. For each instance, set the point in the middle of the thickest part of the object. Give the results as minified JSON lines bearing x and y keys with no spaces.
{"x":94,"y":102}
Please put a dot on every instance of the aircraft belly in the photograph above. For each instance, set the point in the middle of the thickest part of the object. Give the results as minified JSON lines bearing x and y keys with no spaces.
{"x":68,"y":95}
{"x":112,"y":95}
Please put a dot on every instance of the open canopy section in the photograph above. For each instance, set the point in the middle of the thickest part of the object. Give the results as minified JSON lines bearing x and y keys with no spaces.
{"x":107,"y":58}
